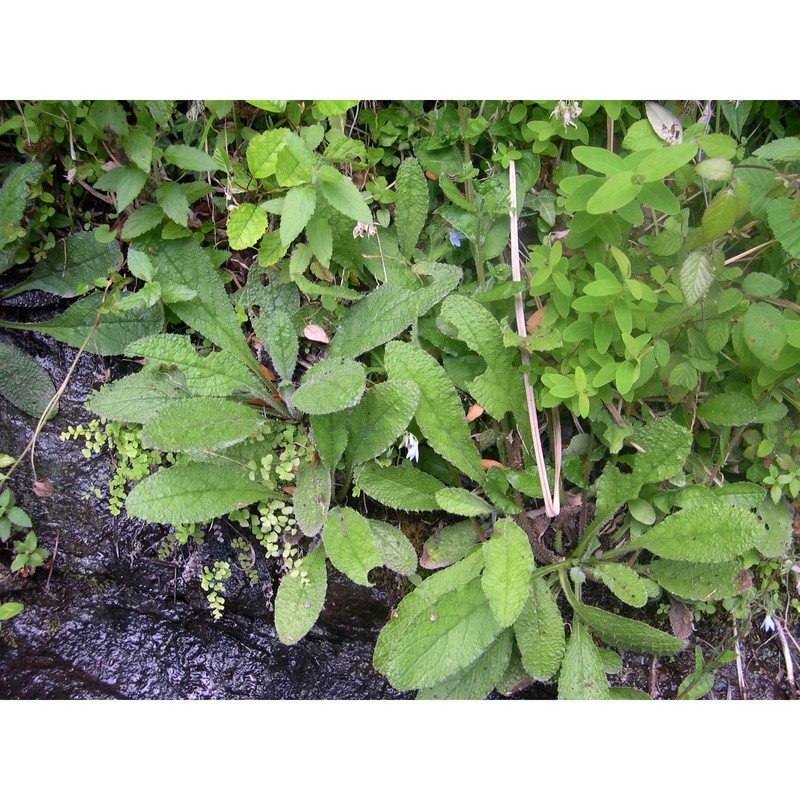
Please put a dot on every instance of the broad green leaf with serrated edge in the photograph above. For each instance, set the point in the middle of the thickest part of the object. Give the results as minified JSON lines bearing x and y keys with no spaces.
{"x":615,"y":193}
{"x":193,"y":492}
{"x":539,"y":631}
{"x":72,"y":266}
{"x":411,"y":207}
{"x":246,"y":225}
{"x":403,"y":487}
{"x":184,"y":263}
{"x":320,"y":240}
{"x":784,"y":224}
{"x":125,"y":182}
{"x":506,"y":578}
{"x":262,"y":152}
{"x":200,"y":423}
{"x":458,"y":628}
{"x":213,"y":374}
{"x":582,"y":676}
{"x":294,"y":162}
{"x":397,"y":552}
{"x":742,"y":494}
{"x":720,"y":215}
{"x":189,"y":158}
{"x":778,"y":518}
{"x":137,"y":397}
{"x":382,"y":415}
{"x":418,"y":603}
{"x":613,"y":489}
{"x":312,"y":496}
{"x":299,"y":601}
{"x":343,"y":148}
{"x":349,"y":544}
{"x":759,"y":284}
{"x":448,"y":545}
{"x":14,"y":197}
{"x":111,"y":337}
{"x":717,"y":145}
{"x":298,"y":206}
{"x":329,"y":432}
{"x":717,"y":332}
{"x":623,"y":582}
{"x":715,"y":169}
{"x":706,"y":582}
{"x":331,"y":385}
{"x":24,"y":381}
{"x":142,"y":220}
{"x":330,"y":108}
{"x":460,"y":501}
{"x":787,"y":149}
{"x":138,"y":146}
{"x":666,"y":447}
{"x":173,"y":201}
{"x":708,"y":534}
{"x":343,"y":195}
{"x":764,"y":329}
{"x":627,"y":634}
{"x":696,"y":276}
{"x":730,"y":408}
{"x":479,"y":678}
{"x":282,"y":343}
{"x":271,"y":249}
{"x":440,"y":415}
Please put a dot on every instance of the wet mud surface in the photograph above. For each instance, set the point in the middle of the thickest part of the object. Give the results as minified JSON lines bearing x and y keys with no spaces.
{"x":112,"y":620}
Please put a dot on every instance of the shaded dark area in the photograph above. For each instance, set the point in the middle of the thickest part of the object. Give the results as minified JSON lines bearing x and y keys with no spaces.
{"x":112,"y":620}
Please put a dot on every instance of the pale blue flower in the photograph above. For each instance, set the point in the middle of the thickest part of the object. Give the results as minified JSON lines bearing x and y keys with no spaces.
{"x":412,"y":446}
{"x":768,"y":625}
{"x":456,"y":237}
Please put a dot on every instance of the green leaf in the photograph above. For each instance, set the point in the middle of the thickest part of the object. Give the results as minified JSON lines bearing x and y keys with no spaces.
{"x":14,"y":197}
{"x":666,"y":447}
{"x":246,"y":225}
{"x":299,"y":602}
{"x":298,"y":206}
{"x":628,"y":634}
{"x":599,"y":159}
{"x":320,"y":239}
{"x":263,"y":150}
{"x":705,"y":582}
{"x":779,"y":518}
{"x":136,"y":398}
{"x":329,"y":432}
{"x":764,"y":330}
{"x":731,"y":409}
{"x":190,"y":158}
{"x":759,"y":284}
{"x":440,"y":415}
{"x":708,"y":534}
{"x":452,"y":633}
{"x":452,"y":193}
{"x":717,"y":145}
{"x":24,"y":382}
{"x":349,"y":544}
{"x":197,"y":424}
{"x":138,"y":146}
{"x":615,"y":193}
{"x":125,"y":182}
{"x":281,"y":342}
{"x":657,"y":196}
{"x":193,"y":492}
{"x":294,"y":162}
{"x":381,"y":416}
{"x":506,"y":578}
{"x":641,"y":136}
{"x":72,"y":266}
{"x":623,"y":582}
{"x":477,"y":680}
{"x":111,"y":337}
{"x":312,"y":496}
{"x":696,"y":276}
{"x":9,"y":610}
{"x":402,"y":487}
{"x":273,"y":106}
{"x":331,"y":385}
{"x":173,"y":201}
{"x":661,"y":163}
{"x":411,"y":208}
{"x":787,"y":149}
{"x":626,"y":693}
{"x":720,"y":215}
{"x":539,"y":631}
{"x":448,"y":545}
{"x":212,"y":374}
{"x":715,"y":169}
{"x":782,"y":217}
{"x":342,"y":194}
{"x":397,"y":552}
{"x":582,"y":675}
{"x":460,"y":501}
{"x":142,"y":220}
{"x":332,"y":108}
{"x":742,"y":494}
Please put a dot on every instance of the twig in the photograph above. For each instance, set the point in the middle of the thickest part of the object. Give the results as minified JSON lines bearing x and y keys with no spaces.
{"x":739,"y":669}
{"x":787,"y":657}
{"x":551,"y":501}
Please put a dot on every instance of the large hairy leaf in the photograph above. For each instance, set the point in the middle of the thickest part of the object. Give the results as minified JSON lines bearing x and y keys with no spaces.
{"x":299,"y":601}
{"x":666,"y":447}
{"x":781,"y":215}
{"x":706,"y":582}
{"x":539,"y":631}
{"x":193,"y":492}
{"x":329,"y":432}
{"x":696,"y":276}
{"x":14,"y":197}
{"x":506,"y":579}
{"x":138,"y":397}
{"x":24,"y":382}
{"x":403,"y":487}
{"x":312,"y":497}
{"x":397,"y":552}
{"x":331,"y":385}
{"x":582,"y":675}
{"x":411,"y":207}
{"x":349,"y":544}
{"x":439,"y":415}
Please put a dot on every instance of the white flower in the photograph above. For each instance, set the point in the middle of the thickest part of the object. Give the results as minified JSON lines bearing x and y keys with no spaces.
{"x":361,"y":229}
{"x":768,"y":624}
{"x":412,"y":446}
{"x":566,"y":112}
